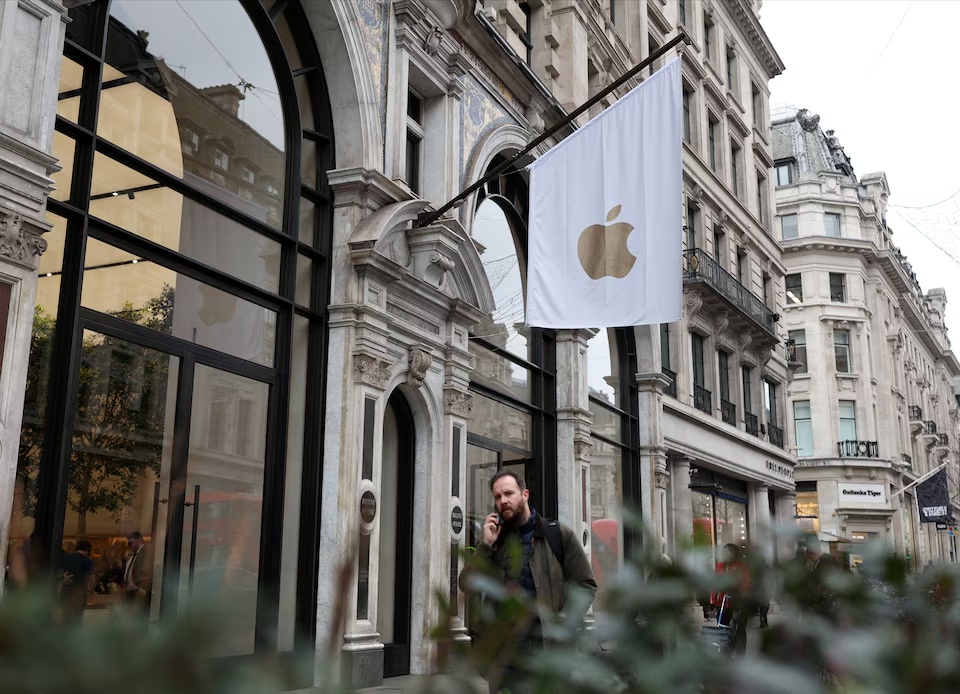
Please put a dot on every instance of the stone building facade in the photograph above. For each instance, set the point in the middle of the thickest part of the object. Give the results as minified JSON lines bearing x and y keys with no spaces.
{"x":873,"y":404}
{"x":216,"y":285}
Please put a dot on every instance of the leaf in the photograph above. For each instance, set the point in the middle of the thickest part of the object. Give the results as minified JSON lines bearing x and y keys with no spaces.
{"x":612,"y":214}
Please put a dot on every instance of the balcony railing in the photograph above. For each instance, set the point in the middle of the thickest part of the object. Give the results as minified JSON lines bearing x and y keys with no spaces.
{"x":916,"y":414}
{"x":943,"y":440}
{"x":906,"y":459}
{"x":671,"y":389}
{"x":775,"y":434}
{"x":931,"y":427}
{"x":858,"y":449}
{"x":729,"y":412}
{"x":752,"y":425}
{"x":702,"y":399}
{"x":790,"y":351}
{"x":701,"y":267}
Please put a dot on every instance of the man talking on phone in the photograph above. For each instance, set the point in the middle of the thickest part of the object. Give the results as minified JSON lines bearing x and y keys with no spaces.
{"x":551,"y":560}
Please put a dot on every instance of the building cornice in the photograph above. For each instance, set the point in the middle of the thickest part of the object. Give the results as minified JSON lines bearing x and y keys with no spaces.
{"x":749,"y":25}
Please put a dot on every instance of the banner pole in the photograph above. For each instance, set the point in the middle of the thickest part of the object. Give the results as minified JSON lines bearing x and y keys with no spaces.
{"x":919,"y":480}
{"x":427,"y":218}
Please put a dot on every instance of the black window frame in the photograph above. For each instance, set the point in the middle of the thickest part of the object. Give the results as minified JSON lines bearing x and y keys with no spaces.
{"x":697,"y":353}
{"x":86,"y":44}
{"x":838,"y":287}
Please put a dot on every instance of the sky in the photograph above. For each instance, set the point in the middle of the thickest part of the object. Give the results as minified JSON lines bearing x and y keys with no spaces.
{"x":881,"y":74}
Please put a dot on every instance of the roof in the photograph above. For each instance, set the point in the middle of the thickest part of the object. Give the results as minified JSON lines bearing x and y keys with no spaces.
{"x":797,"y":135}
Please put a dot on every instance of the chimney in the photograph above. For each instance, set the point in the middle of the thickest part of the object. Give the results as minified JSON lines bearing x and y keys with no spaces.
{"x":226,"y":96}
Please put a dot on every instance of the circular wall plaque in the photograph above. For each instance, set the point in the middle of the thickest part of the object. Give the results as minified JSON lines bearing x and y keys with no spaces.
{"x":368,"y":507}
{"x":456,"y":519}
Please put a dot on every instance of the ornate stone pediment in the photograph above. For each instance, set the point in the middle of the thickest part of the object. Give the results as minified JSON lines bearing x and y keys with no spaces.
{"x":441,"y":255}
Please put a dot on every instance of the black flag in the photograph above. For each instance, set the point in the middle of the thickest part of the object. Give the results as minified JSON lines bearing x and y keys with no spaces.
{"x":933,"y":499}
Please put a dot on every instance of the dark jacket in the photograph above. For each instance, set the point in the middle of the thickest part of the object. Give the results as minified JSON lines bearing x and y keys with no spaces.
{"x":550,"y":578}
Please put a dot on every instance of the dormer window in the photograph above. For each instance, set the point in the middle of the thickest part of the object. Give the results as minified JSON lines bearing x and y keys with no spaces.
{"x":248,"y":175}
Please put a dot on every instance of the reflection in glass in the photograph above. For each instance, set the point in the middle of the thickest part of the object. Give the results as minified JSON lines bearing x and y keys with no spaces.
{"x":220,"y":561}
{"x":208,"y":110}
{"x":306,"y":229}
{"x":34,"y":424}
{"x":140,"y":205}
{"x":731,"y":523}
{"x":602,"y":361}
{"x":126,"y":286}
{"x":64,"y":150}
{"x":498,"y":373}
{"x":304,"y":280}
{"x":499,"y":422}
{"x":68,"y":98}
{"x":704,"y":530}
{"x":481,"y":467}
{"x":122,"y":441}
{"x":498,"y":252}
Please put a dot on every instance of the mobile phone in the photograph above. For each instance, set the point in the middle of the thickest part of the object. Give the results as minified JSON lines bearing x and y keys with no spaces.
{"x":499,"y":520}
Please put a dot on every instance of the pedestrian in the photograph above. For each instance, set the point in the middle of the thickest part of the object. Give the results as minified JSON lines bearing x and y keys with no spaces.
{"x":733,"y":603}
{"x":137,"y":575}
{"x":819,"y":598}
{"x":76,"y":581}
{"x":551,"y":559}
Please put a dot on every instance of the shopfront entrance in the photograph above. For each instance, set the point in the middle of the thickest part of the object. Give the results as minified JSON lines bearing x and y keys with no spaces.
{"x":396,"y":535}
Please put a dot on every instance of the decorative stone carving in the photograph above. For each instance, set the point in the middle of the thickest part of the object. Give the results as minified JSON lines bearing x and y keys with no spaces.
{"x":721,"y":322}
{"x":696,"y":194}
{"x":17,"y":243}
{"x":432,"y":44}
{"x":457,"y":403}
{"x":693,"y":304}
{"x":418,"y":362}
{"x":721,"y":218}
{"x":662,"y":479}
{"x":371,"y":370}
{"x":744,"y":341}
{"x":582,"y":449}
{"x":808,"y":121}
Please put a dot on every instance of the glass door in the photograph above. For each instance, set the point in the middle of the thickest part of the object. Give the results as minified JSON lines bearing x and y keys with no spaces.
{"x":115,"y":523}
{"x":219,"y":565}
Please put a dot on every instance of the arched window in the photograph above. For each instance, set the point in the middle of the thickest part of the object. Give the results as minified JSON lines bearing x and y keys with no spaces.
{"x":513,"y":424}
{"x":176,"y":372}
{"x":614,"y":459}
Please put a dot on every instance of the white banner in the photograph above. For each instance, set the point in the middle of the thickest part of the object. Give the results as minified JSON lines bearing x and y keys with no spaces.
{"x":605,"y":245}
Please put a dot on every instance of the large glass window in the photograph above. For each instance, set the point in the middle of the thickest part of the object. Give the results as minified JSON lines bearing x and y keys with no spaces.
{"x":513,"y":418}
{"x":831,"y":225}
{"x":799,"y":338}
{"x":183,"y":218}
{"x":719,"y":518}
{"x":841,"y":351}
{"x":848,"y":420}
{"x":808,"y":507}
{"x":838,"y":291}
{"x":612,"y":402}
{"x":788,"y":227}
{"x":794,"y":288}
{"x":803,"y":424}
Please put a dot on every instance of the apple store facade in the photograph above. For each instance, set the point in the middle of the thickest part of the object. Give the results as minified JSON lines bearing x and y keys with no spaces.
{"x":225,"y":331}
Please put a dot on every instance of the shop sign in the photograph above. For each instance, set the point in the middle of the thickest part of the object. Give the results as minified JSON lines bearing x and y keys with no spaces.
{"x":778,"y":469}
{"x":368,"y":507}
{"x":456,"y":519}
{"x":941,"y":526}
{"x":862,"y":494}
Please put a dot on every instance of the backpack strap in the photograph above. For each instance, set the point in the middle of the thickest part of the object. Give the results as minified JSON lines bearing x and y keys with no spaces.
{"x":554,"y":539}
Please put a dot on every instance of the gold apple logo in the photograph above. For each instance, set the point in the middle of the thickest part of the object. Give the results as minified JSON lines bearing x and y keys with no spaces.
{"x":603,"y":249}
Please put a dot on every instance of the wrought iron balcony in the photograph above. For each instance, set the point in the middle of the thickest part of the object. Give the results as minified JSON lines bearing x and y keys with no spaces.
{"x":943,"y":440}
{"x":700,"y":266}
{"x":916,"y":414}
{"x":702,"y":399}
{"x":930,"y":427}
{"x":729,"y":412}
{"x":671,"y":389}
{"x":906,"y":459}
{"x":858,"y":449}
{"x":790,"y":351}
{"x":752,"y":425}
{"x":775,"y":434}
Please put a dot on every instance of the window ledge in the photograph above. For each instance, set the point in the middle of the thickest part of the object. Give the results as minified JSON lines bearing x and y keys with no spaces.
{"x":848,"y":377}
{"x":802,"y":377}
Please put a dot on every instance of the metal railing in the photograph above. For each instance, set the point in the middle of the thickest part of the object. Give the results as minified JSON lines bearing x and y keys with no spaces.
{"x":701,"y":267}
{"x":671,"y":389}
{"x":906,"y":459}
{"x":931,"y":427}
{"x":729,"y":412}
{"x":790,"y":351}
{"x":775,"y":434}
{"x":751,"y":423}
{"x":702,"y":399}
{"x":858,"y":449}
{"x":916,"y":414}
{"x":943,"y":440}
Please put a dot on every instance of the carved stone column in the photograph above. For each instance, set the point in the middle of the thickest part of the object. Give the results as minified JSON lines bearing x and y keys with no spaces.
{"x":574,"y":421}
{"x":682,"y":539}
{"x":31,"y":45}
{"x":653,"y":452}
{"x":761,"y":530}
